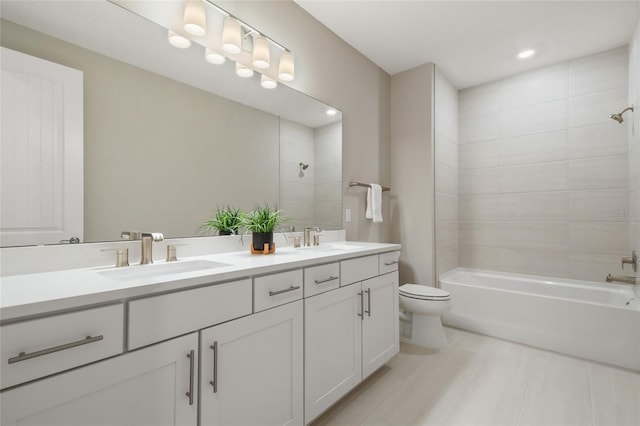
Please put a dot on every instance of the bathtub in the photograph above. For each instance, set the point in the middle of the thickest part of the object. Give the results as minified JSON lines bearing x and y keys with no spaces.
{"x":584,"y":319}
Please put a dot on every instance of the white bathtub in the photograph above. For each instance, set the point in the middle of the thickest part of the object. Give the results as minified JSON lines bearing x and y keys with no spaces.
{"x":588,"y":320}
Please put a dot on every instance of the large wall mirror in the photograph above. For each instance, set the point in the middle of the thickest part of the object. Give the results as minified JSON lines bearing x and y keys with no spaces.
{"x":169,"y":137}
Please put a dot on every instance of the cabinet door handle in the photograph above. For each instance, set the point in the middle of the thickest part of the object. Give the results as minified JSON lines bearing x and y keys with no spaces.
{"x":214,"y":382}
{"x":192,"y":366}
{"x":286,"y":290}
{"x":368,"y":291}
{"x":23,"y":356}
{"x":326,"y":281}
{"x":393,"y":262}
{"x":361,"y":313}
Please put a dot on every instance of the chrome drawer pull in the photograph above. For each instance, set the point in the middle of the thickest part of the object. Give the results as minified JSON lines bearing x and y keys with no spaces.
{"x":192,"y":366}
{"x":24,"y":356}
{"x":214,"y":382}
{"x":292,"y":288}
{"x":391,"y":263}
{"x":361,"y":313}
{"x":326,"y":281}
{"x":368,"y":291}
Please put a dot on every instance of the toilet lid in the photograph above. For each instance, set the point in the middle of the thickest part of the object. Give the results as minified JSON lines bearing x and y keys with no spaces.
{"x":424,"y":292}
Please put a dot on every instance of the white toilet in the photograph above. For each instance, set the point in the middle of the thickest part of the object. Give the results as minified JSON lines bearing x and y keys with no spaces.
{"x":426,"y":304}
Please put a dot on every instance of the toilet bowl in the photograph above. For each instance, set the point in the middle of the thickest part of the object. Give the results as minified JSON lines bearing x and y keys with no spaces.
{"x":426,"y":305}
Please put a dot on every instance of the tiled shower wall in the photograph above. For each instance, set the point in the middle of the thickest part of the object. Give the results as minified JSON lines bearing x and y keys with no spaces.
{"x":446,"y":173}
{"x":633,"y":127}
{"x":544,"y":173}
{"x":328,"y":176}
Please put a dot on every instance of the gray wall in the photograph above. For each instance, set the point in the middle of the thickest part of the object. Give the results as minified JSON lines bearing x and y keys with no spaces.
{"x":412,"y":172}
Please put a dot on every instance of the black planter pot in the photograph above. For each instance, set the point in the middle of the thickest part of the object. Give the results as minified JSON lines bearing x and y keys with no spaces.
{"x":225,"y":233}
{"x":259,"y":238}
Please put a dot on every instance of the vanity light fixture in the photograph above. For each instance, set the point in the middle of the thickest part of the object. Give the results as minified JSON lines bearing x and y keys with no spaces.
{"x":178,"y":40}
{"x":214,"y":57}
{"x":231,"y":36}
{"x":261,"y":54}
{"x":243,"y":71}
{"x":526,"y":54}
{"x":286,"y":69}
{"x":267,"y":82}
{"x":195,"y":21}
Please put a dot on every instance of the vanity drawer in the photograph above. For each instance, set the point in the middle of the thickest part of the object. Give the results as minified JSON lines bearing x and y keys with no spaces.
{"x":359,"y":269}
{"x":319,"y":279}
{"x":389,"y":262}
{"x":162,"y":317}
{"x":37,"y":348}
{"x":276,"y":289}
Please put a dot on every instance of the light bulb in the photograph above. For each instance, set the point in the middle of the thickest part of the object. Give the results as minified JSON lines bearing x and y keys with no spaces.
{"x":243,"y":71}
{"x":231,"y":36}
{"x":526,"y":54}
{"x":286,"y":69}
{"x":261,"y":54}
{"x":195,"y":18}
{"x":267,"y":82}
{"x":179,"y":41}
{"x":214,"y":57}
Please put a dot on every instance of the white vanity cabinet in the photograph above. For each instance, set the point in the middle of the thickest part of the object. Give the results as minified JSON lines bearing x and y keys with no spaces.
{"x":151,"y":386}
{"x":251,"y":370}
{"x":350,"y":332}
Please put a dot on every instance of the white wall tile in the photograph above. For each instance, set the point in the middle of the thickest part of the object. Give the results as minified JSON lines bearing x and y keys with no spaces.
{"x":479,"y":257}
{"x":535,"y":206}
{"x":599,"y":72}
{"x":535,"y":236}
{"x":479,"y":100}
{"x":541,"y":147}
{"x":479,"y":234}
{"x":599,"y":238}
{"x":595,"y":108}
{"x":478,"y":207}
{"x":447,"y":234}
{"x":599,"y":173}
{"x":446,"y":207}
{"x":593,"y":267}
{"x":446,"y":179}
{"x":533,"y":119}
{"x":534,"y":177}
{"x":479,"y":128}
{"x":446,"y":151}
{"x":546,"y":263}
{"x":479,"y":155}
{"x":598,"y":140}
{"x":479,"y":181}
{"x":447,"y":259}
{"x":608,"y":205}
{"x":534,"y":87}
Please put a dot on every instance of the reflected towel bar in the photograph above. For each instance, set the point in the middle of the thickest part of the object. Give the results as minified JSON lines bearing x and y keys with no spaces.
{"x":366,"y":185}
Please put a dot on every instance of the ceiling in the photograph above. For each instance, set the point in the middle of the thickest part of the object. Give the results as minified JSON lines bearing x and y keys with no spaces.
{"x":474,"y":42}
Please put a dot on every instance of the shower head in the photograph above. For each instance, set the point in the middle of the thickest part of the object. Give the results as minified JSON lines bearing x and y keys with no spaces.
{"x":618,"y":117}
{"x":304,"y":166}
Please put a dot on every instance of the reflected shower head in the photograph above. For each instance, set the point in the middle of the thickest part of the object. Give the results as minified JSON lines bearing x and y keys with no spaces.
{"x":618,"y":117}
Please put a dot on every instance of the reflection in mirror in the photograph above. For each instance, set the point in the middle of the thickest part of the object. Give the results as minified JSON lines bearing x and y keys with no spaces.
{"x":161,"y":151}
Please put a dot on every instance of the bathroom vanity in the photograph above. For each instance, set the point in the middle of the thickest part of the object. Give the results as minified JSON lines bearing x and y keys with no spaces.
{"x":222,"y":339}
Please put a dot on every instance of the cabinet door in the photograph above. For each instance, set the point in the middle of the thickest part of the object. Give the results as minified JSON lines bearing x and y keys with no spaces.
{"x":333,"y":351}
{"x":257,"y":369}
{"x":380,"y":334}
{"x":145,"y":387}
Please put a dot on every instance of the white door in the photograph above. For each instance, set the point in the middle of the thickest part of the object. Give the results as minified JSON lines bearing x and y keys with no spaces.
{"x":41,"y":151}
{"x":145,"y":387}
{"x":256,"y":367}
{"x":332,"y":344}
{"x":380,"y":329}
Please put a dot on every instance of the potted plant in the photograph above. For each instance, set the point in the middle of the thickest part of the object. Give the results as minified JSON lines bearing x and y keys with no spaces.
{"x":226,"y":221}
{"x":261,"y":222}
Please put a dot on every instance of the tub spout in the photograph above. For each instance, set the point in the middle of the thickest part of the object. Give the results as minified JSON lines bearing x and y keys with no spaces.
{"x":625,"y":280}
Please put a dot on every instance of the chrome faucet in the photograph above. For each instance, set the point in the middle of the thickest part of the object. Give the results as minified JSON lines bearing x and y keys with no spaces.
{"x":307,"y":234}
{"x":147,"y":239}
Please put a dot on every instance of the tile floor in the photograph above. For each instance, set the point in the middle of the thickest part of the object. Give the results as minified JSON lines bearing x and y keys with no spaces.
{"x":480,"y":380}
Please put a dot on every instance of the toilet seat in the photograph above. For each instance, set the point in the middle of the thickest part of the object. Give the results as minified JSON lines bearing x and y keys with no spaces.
{"x":423,"y":292}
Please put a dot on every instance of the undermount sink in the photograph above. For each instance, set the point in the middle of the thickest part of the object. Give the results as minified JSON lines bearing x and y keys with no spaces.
{"x":136,"y":272}
{"x":333,"y":247}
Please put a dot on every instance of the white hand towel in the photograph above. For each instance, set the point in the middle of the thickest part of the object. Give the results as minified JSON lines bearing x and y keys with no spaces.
{"x":368,"y":214}
{"x":376,"y":202}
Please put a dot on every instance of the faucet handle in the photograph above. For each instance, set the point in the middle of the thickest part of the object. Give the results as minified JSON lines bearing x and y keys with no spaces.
{"x":122,"y":256}
{"x":172,"y":251}
{"x":130,"y":235}
{"x":632,"y":260}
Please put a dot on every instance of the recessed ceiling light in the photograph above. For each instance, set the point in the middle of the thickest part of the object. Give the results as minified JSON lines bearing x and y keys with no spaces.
{"x":332,"y":112}
{"x":526,"y":54}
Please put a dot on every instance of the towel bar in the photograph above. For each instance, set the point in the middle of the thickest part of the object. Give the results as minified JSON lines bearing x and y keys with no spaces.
{"x":366,"y":185}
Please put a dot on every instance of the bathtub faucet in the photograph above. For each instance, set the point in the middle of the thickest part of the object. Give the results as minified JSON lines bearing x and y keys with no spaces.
{"x":625,"y":280}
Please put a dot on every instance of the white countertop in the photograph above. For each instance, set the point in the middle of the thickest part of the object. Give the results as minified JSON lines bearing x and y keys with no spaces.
{"x":35,"y":294}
